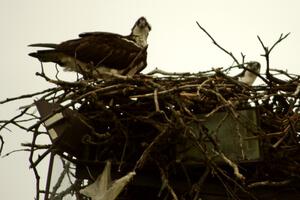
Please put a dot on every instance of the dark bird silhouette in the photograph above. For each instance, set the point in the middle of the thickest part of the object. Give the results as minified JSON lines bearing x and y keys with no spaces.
{"x":99,"y":52}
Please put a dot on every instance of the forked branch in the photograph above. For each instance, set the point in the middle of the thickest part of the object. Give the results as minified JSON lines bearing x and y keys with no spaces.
{"x":267,"y":52}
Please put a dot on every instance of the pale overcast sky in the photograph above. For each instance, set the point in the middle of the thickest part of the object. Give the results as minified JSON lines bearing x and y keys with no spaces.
{"x":175,"y":44}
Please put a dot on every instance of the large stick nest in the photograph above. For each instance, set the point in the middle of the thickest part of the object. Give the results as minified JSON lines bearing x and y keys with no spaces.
{"x":138,"y":123}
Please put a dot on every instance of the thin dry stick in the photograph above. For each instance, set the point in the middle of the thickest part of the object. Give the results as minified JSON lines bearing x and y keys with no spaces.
{"x":14,"y":151}
{"x":267,"y":56}
{"x":2,"y":144}
{"x":234,"y":166}
{"x":140,"y":163}
{"x":215,"y":43}
{"x":270,"y":183}
{"x":60,"y":180}
{"x":165,"y":181}
{"x":37,"y":176}
{"x":74,"y":187}
{"x":28,"y":95}
{"x":162,"y":72}
{"x":156,"y":101}
{"x":12,"y":120}
{"x":198,"y":186}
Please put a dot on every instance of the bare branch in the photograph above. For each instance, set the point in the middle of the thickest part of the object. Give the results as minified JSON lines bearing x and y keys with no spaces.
{"x":266,"y":54}
{"x":29,"y":95}
{"x":215,"y":43}
{"x":269,"y":183}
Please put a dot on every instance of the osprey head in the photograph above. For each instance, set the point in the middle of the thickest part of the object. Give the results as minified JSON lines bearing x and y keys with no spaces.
{"x":254,"y":66}
{"x":142,"y":23}
{"x":247,"y":76}
{"x":140,"y":31}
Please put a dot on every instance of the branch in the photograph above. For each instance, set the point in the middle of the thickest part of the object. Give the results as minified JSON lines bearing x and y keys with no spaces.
{"x":1,"y":145}
{"x":269,"y":183}
{"x":29,"y":95}
{"x":282,"y":37}
{"x":162,"y":72}
{"x":197,"y":187}
{"x":141,"y":161}
{"x":165,"y":181}
{"x":60,"y":180}
{"x":291,"y":76}
{"x":156,"y":101}
{"x":12,"y":120}
{"x":37,"y":176}
{"x":14,"y":151}
{"x":267,"y":56}
{"x":234,"y":166}
{"x":215,"y":43}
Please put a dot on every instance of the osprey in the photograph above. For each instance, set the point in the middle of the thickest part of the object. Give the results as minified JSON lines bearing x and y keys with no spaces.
{"x":98,"y":52}
{"x":247,"y":76}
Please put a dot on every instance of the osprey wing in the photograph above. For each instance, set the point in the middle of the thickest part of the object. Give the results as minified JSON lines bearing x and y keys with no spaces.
{"x":103,"y":50}
{"x":95,"y":33}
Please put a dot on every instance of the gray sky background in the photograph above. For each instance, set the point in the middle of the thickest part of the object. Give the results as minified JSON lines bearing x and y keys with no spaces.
{"x":175,"y":44}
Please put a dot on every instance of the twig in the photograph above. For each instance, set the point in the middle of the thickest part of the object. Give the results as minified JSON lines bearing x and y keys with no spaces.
{"x":267,"y":56}
{"x":215,"y":43}
{"x":243,"y":57}
{"x":156,"y":101}
{"x":286,"y":132}
{"x":63,"y":83}
{"x":162,"y":72}
{"x":146,"y":153}
{"x":28,"y":95}
{"x":292,"y":77}
{"x":270,"y":183}
{"x":12,"y":120}
{"x":36,"y":146}
{"x":57,"y":71}
{"x":41,"y":157}
{"x":14,"y":151}
{"x":60,"y":180}
{"x":67,"y":191}
{"x":37,"y":177}
{"x":165,"y":181}
{"x":2,"y":144}
{"x":197,"y":187}
{"x":235,"y":168}
{"x":238,"y":185}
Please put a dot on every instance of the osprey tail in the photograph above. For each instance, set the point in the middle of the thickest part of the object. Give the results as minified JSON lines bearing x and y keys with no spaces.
{"x":47,"y":56}
{"x":48,"y":45}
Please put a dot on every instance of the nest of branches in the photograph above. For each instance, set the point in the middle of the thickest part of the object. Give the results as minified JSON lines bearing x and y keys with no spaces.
{"x":138,"y":123}
{"x":147,"y":124}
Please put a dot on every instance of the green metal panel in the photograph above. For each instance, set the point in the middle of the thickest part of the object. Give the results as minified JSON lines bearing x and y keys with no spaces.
{"x":234,"y":137}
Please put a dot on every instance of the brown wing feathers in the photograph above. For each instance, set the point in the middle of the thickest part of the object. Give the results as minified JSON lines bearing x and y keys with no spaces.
{"x":98,"y":49}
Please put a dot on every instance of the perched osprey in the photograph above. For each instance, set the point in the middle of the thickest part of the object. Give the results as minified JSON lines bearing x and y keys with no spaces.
{"x":247,"y":76}
{"x":101,"y":52}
